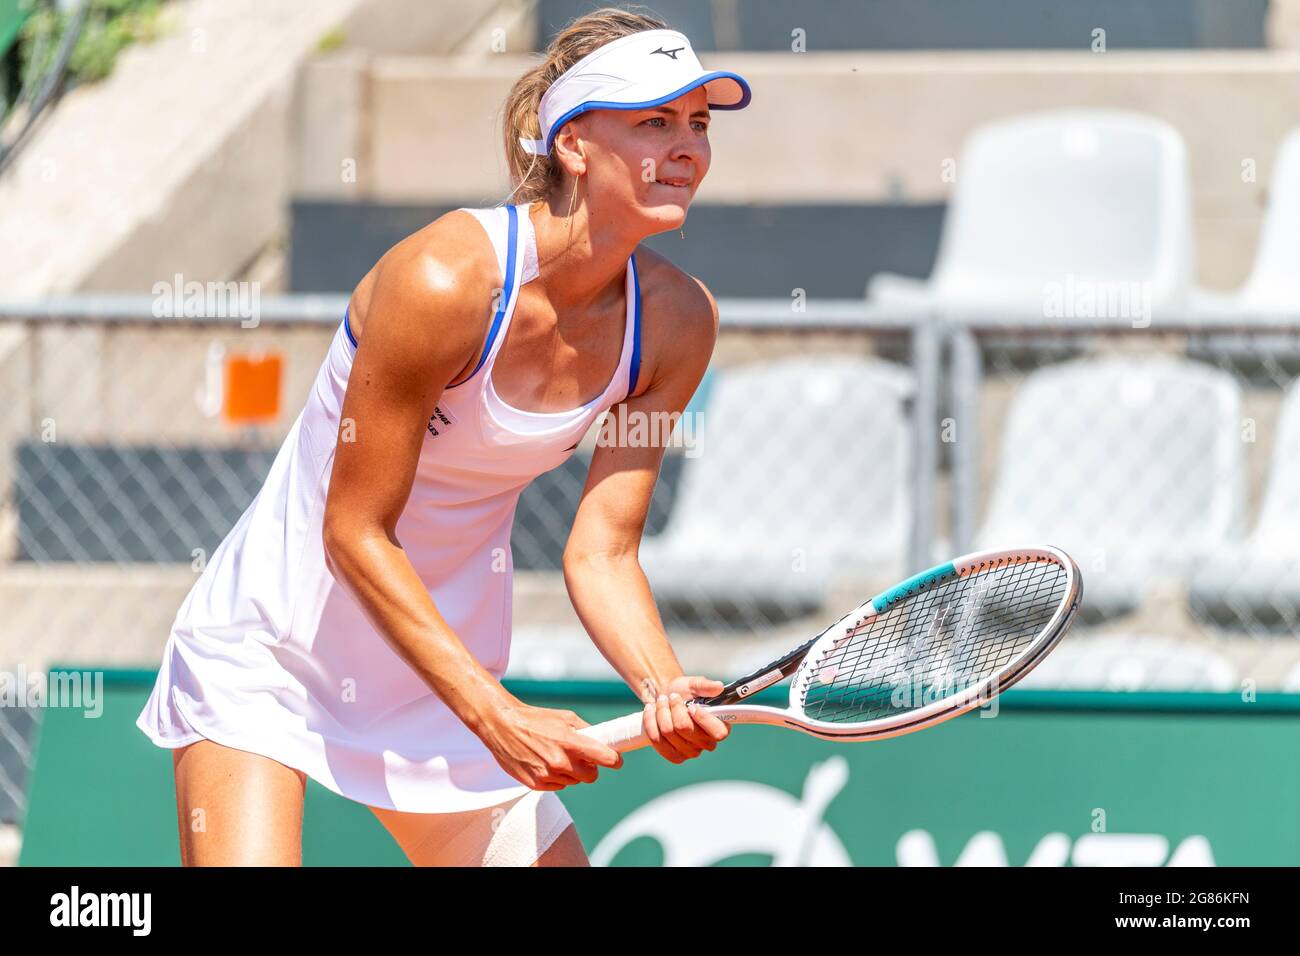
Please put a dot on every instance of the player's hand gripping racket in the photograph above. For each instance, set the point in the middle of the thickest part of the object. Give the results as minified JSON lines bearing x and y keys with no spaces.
{"x":939,"y":644}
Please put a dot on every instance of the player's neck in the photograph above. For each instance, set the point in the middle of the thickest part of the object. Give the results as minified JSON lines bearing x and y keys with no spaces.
{"x":582,"y":260}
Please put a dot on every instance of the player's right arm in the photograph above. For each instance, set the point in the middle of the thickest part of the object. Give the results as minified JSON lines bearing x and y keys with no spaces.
{"x":421,"y":319}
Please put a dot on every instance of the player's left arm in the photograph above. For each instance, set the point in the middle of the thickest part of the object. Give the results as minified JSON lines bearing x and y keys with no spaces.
{"x":608,"y":588}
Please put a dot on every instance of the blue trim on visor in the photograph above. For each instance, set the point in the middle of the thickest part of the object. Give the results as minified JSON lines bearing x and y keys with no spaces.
{"x":666,"y":98}
{"x":636,"y":331}
{"x":511,"y":241}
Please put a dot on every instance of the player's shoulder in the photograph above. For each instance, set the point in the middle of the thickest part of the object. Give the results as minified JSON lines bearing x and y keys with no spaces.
{"x":451,"y":256}
{"x":443,"y":276}
{"x":673,"y":299}
{"x":454,"y":254}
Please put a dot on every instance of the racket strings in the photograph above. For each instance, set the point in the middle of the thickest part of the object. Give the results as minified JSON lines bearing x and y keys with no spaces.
{"x":956,"y":634}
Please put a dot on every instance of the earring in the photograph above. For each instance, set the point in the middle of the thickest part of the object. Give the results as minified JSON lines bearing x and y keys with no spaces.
{"x":574,"y":194}
{"x":683,"y":232}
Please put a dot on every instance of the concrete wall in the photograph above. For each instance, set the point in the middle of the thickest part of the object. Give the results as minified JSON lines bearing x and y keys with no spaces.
{"x":184,"y":158}
{"x":824,"y":127}
{"x":423,"y":27}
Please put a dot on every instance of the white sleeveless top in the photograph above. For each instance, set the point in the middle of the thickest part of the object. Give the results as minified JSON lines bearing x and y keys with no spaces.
{"x":271,"y":655}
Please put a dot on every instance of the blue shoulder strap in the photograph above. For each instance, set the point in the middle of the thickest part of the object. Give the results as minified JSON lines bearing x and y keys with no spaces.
{"x":636,"y":330}
{"x":347,"y":326}
{"x":512,"y":237}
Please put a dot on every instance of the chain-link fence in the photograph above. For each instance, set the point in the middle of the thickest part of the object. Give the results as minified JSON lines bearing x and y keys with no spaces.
{"x":797,"y":480}
{"x":1165,"y":456}
{"x":118,"y":476}
{"x":121,"y":471}
{"x":830,"y":450}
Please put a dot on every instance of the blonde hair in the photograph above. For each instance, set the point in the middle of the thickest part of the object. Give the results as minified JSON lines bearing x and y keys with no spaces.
{"x":537,"y":177}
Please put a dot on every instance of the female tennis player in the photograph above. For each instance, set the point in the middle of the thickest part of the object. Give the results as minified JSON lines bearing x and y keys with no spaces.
{"x":355,"y":624}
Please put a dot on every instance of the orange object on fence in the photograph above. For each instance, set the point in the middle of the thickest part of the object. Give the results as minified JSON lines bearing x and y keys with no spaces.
{"x":252,"y":392}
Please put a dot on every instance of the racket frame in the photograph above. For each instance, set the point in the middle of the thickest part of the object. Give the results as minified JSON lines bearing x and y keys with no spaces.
{"x":625,"y":732}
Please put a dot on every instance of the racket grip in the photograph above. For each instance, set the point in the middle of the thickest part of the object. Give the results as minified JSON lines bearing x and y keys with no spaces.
{"x":621,"y":733}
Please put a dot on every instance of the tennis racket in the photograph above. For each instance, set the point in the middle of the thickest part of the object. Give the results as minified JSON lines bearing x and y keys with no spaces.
{"x":937,"y":645}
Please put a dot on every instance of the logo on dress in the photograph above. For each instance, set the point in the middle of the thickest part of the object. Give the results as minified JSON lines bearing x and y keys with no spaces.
{"x":440,"y":420}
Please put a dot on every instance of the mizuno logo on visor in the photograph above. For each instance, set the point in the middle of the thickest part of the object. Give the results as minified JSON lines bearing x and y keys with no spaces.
{"x":619,"y":76}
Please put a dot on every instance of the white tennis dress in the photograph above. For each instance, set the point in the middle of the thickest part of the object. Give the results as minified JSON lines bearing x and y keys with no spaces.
{"x":270,"y":654}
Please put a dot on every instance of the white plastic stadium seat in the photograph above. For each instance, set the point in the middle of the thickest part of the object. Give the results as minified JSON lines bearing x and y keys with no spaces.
{"x":803,"y":472}
{"x":1273,"y":285}
{"x":1274,"y":281}
{"x":1132,"y":662}
{"x":1096,"y":196}
{"x":1258,"y":580}
{"x":1132,"y":464}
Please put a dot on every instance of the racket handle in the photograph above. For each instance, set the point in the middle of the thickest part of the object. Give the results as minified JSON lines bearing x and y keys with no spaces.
{"x":621,"y":733}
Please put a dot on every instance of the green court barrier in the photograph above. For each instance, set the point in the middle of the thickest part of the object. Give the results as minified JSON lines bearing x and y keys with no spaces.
{"x":1055,"y":778}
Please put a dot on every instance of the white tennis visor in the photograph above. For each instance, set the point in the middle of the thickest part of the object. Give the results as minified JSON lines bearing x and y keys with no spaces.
{"x":635,"y":72}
